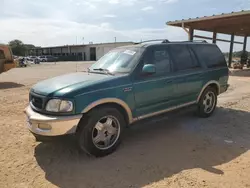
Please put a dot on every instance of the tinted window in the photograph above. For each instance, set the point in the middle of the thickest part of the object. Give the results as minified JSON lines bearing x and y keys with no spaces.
{"x":182,"y":57}
{"x":2,"y":56}
{"x":211,"y":55}
{"x":194,"y":57}
{"x":160,"y":58}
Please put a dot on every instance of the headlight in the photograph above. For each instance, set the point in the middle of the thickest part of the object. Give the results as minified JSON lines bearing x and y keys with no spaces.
{"x":57,"y":105}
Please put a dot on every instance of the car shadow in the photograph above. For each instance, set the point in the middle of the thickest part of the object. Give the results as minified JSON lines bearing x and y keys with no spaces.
{"x":8,"y":85}
{"x":151,"y":151}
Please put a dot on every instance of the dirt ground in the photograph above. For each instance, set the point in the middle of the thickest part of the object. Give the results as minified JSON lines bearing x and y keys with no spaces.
{"x":177,"y":150}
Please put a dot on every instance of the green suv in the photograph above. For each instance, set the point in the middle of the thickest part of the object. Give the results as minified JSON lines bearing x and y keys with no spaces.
{"x":127,"y":84}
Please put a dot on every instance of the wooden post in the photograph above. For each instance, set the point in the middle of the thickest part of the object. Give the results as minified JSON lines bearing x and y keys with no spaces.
{"x":245,"y":44}
{"x":191,"y":34}
{"x":231,"y":50}
{"x":214,"y":37}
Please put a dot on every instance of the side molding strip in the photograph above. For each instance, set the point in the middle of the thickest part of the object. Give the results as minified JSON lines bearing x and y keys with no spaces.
{"x":166,"y":110}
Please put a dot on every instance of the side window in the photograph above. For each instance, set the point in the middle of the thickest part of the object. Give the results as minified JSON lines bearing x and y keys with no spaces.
{"x":160,"y":58}
{"x":211,"y":55}
{"x":2,"y":56}
{"x":182,"y":57}
{"x":194,"y":57}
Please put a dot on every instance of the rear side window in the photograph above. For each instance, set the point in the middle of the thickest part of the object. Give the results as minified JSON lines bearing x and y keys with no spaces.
{"x":2,"y":56}
{"x":211,"y":55}
{"x":183,"y":60}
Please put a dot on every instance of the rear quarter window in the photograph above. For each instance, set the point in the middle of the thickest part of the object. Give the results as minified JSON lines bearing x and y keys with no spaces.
{"x":210,"y":55}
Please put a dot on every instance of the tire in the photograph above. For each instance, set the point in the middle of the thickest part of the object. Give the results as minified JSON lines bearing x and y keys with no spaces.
{"x":207,"y":102}
{"x":91,"y":138}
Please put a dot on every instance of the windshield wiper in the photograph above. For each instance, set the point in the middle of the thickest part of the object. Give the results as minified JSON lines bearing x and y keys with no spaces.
{"x":104,"y":70}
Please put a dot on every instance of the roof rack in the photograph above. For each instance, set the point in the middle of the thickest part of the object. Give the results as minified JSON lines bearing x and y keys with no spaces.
{"x":204,"y":41}
{"x":167,"y":41}
{"x":154,"y":40}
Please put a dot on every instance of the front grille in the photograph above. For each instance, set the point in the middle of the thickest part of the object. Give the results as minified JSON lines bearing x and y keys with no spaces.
{"x":36,"y":101}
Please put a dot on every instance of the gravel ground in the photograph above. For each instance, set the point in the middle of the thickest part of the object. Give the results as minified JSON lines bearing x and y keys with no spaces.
{"x":177,"y":150}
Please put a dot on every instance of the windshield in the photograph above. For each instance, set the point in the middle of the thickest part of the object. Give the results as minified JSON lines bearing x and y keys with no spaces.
{"x":120,"y":60}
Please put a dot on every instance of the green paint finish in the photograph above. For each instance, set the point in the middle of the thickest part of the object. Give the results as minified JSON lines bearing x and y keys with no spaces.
{"x":63,"y":85}
{"x":120,"y":75}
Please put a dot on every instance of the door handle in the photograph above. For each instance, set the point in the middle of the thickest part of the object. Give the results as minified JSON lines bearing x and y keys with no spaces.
{"x":169,"y":81}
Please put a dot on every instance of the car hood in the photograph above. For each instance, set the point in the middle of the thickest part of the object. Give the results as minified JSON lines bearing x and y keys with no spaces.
{"x":68,"y":82}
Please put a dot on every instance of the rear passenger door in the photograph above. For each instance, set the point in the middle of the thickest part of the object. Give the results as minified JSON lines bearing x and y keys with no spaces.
{"x":188,"y":74}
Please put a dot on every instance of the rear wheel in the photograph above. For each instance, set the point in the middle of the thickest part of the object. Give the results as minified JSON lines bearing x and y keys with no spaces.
{"x":100,"y":131}
{"x":207,"y":102}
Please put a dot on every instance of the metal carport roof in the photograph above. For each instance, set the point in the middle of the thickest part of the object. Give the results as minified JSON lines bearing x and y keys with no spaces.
{"x":237,"y":23}
{"x":234,"y":23}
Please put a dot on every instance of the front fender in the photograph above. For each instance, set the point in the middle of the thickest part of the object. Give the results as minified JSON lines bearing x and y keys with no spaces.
{"x":119,"y":95}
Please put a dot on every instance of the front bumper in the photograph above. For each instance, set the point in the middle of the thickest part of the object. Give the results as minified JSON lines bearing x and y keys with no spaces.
{"x":50,"y":125}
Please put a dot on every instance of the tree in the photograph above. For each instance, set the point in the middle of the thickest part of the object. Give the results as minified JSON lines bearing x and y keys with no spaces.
{"x":17,"y":47}
{"x":237,"y":54}
{"x":29,"y":46}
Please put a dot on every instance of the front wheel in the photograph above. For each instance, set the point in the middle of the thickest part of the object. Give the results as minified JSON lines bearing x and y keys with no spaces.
{"x":100,"y":131}
{"x":207,"y":102}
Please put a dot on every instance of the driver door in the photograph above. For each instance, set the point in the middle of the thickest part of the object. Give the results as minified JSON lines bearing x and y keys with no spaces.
{"x":153,"y":93}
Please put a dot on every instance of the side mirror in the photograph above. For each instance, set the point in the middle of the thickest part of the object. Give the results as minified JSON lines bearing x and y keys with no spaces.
{"x":148,"y":69}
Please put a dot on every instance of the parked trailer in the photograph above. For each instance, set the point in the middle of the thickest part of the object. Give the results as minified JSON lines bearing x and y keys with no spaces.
{"x":6,"y":58}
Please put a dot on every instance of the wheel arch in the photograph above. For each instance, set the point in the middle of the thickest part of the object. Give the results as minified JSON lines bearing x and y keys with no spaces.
{"x":212,"y":83}
{"x":123,"y":106}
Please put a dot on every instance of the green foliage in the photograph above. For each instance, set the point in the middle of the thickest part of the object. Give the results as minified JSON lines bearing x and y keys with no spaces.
{"x":237,"y":54}
{"x":19,"y":48}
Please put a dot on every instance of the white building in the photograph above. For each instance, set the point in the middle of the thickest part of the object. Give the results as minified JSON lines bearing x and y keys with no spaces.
{"x":88,"y":52}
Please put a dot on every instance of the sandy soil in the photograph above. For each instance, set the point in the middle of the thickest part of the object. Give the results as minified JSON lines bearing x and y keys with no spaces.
{"x":177,"y":150}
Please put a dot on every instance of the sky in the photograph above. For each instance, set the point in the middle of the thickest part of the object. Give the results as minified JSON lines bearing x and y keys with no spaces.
{"x":62,"y":22}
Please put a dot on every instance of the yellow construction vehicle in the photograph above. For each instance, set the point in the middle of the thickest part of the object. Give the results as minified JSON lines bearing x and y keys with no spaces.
{"x":7,"y":61}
